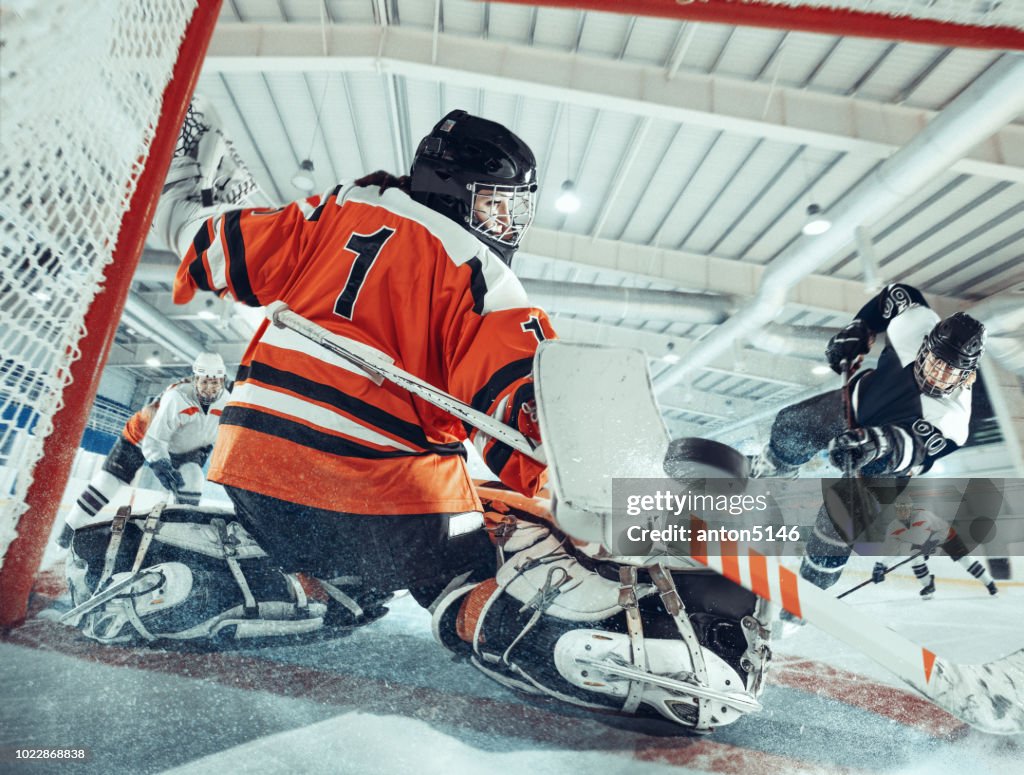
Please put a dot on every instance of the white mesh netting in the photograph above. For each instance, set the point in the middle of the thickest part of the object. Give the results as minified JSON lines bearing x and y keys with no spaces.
{"x":81,"y":84}
{"x":982,"y":13}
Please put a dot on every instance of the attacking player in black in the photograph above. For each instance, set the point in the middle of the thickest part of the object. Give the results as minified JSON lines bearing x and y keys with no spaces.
{"x":905,"y":414}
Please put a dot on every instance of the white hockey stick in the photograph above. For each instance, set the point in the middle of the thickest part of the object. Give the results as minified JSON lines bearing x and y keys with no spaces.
{"x":374,"y":361}
{"x":987,"y":696}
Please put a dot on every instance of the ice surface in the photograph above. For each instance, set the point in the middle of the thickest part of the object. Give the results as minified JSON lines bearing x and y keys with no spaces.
{"x":388,"y":700}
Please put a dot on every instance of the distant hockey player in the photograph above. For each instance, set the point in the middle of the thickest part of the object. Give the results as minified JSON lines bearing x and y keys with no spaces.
{"x":908,"y":412}
{"x":174,"y":434}
{"x":920,"y":531}
{"x":333,"y":474}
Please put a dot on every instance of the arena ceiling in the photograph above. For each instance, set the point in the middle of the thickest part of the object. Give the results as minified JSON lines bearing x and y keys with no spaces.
{"x":696,"y":148}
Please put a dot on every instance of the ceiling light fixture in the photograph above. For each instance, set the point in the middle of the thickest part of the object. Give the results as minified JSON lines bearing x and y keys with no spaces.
{"x":303,"y":177}
{"x":153,"y":360}
{"x":568,"y":201}
{"x":817,"y":222}
{"x":821,"y":370}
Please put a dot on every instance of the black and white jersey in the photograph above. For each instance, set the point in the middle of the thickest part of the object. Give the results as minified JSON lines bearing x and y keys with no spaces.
{"x":931,"y":427}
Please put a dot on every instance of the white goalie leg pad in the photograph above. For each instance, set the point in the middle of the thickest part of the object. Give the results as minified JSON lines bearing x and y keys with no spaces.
{"x":528,"y":635}
{"x":159,"y":588}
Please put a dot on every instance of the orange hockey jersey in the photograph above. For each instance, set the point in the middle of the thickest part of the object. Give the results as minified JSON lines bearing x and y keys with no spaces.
{"x":306,"y":426}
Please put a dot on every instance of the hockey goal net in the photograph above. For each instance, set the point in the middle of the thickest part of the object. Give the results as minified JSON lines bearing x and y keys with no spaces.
{"x":91,"y":95}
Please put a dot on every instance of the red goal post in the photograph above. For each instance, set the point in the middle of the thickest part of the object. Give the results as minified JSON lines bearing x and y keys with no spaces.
{"x":93,"y":93}
{"x":990,"y":24}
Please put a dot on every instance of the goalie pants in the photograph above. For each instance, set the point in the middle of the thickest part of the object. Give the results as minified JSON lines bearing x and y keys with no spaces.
{"x":369,"y":556}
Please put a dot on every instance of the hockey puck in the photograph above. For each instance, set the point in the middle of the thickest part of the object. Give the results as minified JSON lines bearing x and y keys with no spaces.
{"x":999,"y":567}
{"x":694,"y":458}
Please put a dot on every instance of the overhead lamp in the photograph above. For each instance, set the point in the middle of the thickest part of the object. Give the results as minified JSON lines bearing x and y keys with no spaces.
{"x":206,"y":313}
{"x":567,"y":201}
{"x":670,"y":358}
{"x":821,"y":370}
{"x":303,"y":177}
{"x":817,"y":222}
{"x":153,"y":360}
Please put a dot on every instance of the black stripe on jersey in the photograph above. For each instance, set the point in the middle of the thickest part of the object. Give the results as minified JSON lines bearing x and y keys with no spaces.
{"x":196,"y":270}
{"x":296,"y":432}
{"x":477,"y":284}
{"x":500,"y":381}
{"x":237,"y":269}
{"x":497,"y":456}
{"x":320,"y":208}
{"x":326,"y":394}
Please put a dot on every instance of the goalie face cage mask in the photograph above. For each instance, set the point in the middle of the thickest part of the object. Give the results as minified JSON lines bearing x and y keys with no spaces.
{"x":501,"y":213}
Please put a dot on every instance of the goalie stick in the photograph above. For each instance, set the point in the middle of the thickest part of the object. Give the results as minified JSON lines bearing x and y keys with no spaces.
{"x":377,"y":363}
{"x":987,"y":696}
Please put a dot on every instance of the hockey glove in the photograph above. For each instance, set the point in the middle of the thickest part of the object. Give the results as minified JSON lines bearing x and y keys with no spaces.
{"x":167,"y":474}
{"x":848,"y":345}
{"x":878,"y":573}
{"x":859,"y":447}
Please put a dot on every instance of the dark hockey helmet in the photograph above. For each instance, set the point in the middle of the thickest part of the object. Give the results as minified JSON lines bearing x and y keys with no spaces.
{"x":480,"y":175}
{"x":949,"y":354}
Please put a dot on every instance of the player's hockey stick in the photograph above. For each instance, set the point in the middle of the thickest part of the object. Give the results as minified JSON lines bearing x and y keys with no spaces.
{"x":374,"y":361}
{"x":888,"y":570}
{"x":987,"y":696}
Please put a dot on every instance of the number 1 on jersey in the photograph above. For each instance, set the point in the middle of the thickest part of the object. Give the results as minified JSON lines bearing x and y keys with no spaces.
{"x":366,"y":247}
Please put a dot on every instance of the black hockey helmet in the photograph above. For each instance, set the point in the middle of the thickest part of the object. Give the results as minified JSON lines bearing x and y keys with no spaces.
{"x":949,"y":354}
{"x":480,"y":175}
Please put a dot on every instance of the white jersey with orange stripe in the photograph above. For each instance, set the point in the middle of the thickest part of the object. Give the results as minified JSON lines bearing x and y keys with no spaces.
{"x":908,"y":536}
{"x":181,"y":424}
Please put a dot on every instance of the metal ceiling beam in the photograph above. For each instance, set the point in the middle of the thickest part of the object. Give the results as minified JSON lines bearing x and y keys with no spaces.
{"x":701,"y":272}
{"x":839,"y":123}
{"x":990,"y":103}
{"x":134,"y":356}
{"x":743,"y":362}
{"x":152,"y":323}
{"x":613,"y":301}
